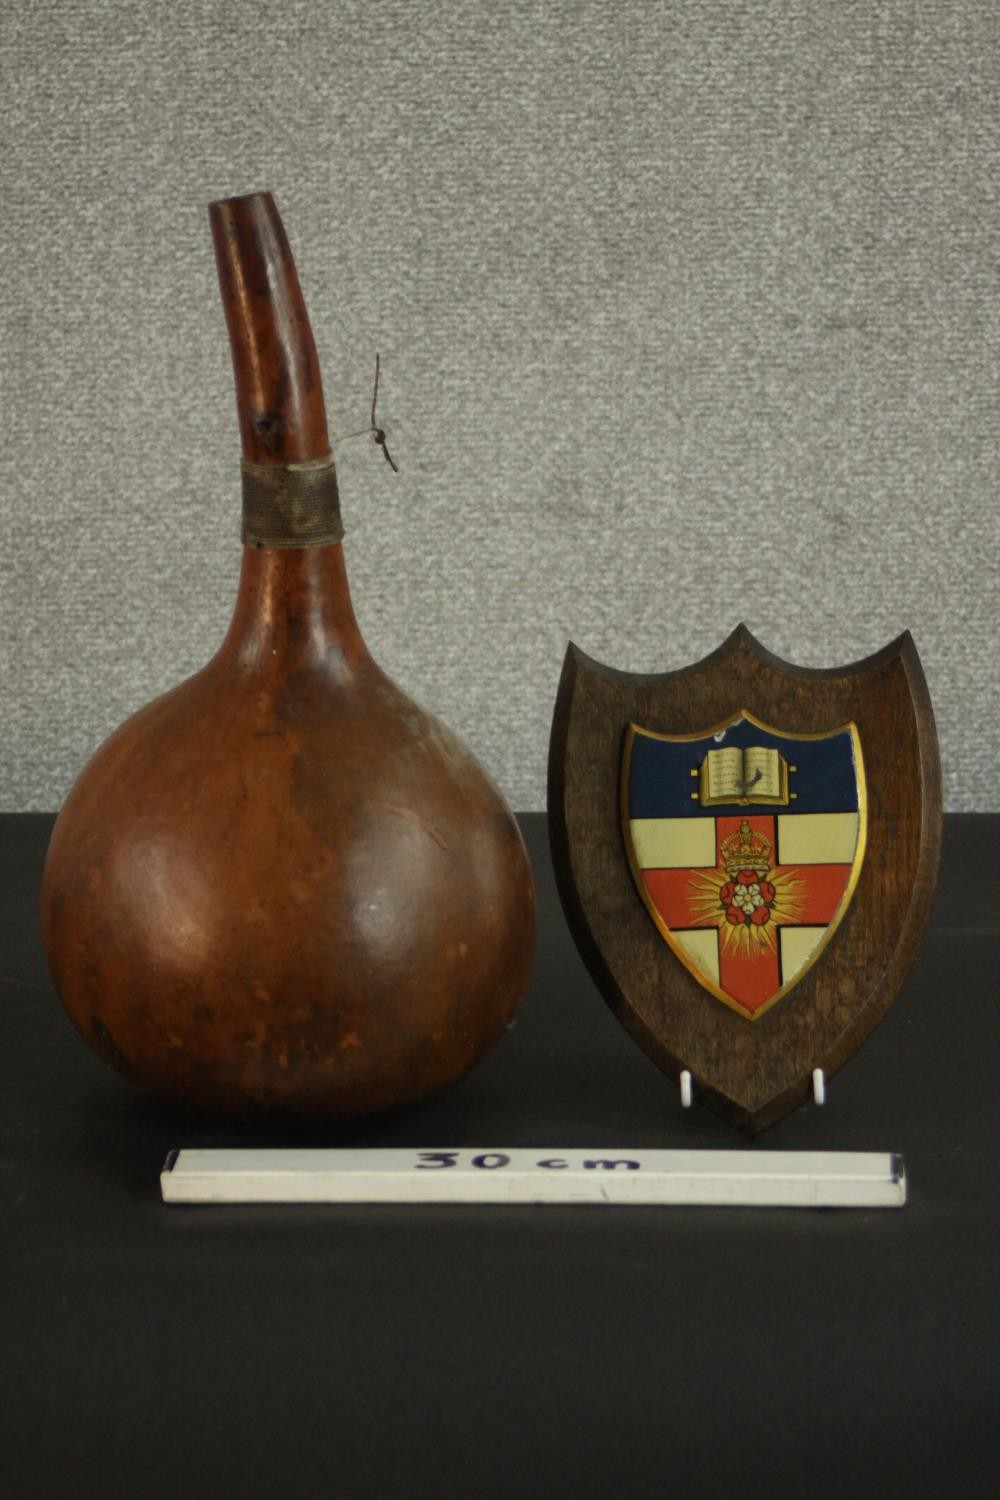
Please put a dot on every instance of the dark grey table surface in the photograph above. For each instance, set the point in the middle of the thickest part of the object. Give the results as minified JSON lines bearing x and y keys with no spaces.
{"x":509,"y":1351}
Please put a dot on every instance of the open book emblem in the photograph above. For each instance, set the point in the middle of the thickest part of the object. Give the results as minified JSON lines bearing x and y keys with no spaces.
{"x":745,"y":845}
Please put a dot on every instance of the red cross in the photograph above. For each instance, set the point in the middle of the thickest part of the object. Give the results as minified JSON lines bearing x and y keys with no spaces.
{"x":754,"y":978}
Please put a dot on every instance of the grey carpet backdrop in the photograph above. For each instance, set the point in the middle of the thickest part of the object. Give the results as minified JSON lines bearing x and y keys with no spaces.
{"x":687,"y":314}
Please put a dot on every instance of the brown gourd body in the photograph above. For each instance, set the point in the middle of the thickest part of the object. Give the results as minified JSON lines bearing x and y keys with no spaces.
{"x":282,"y":886}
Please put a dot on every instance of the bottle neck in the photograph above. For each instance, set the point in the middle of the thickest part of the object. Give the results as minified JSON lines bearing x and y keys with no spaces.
{"x":293,"y":610}
{"x":279,"y":393}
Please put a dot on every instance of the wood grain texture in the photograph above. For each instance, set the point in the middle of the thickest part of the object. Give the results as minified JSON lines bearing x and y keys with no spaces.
{"x":282,"y":887}
{"x":752,"y":1073}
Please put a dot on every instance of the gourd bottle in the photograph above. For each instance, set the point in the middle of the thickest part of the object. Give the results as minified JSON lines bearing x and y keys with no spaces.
{"x":282,"y":887}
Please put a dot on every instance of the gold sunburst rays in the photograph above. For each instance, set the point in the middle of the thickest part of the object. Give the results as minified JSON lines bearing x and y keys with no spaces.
{"x":743,"y":940}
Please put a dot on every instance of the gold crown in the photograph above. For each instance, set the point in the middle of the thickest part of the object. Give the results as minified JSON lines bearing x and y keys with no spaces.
{"x":746,"y":850}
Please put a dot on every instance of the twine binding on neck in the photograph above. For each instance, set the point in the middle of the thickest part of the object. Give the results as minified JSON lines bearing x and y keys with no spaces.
{"x":291,"y":505}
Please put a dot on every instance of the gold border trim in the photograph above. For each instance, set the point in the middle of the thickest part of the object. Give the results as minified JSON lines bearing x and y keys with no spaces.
{"x":845,"y":900}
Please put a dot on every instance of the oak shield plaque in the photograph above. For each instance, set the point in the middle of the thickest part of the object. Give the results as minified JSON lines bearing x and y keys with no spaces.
{"x":746,"y":852}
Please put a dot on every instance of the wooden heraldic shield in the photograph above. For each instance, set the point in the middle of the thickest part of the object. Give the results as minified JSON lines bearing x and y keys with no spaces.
{"x":746,"y":852}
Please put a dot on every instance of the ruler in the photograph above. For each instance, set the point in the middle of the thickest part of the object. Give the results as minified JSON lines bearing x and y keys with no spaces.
{"x":612,"y":1175}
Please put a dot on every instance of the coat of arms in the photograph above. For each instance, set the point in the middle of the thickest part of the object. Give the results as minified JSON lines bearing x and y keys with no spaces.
{"x":745,"y":845}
